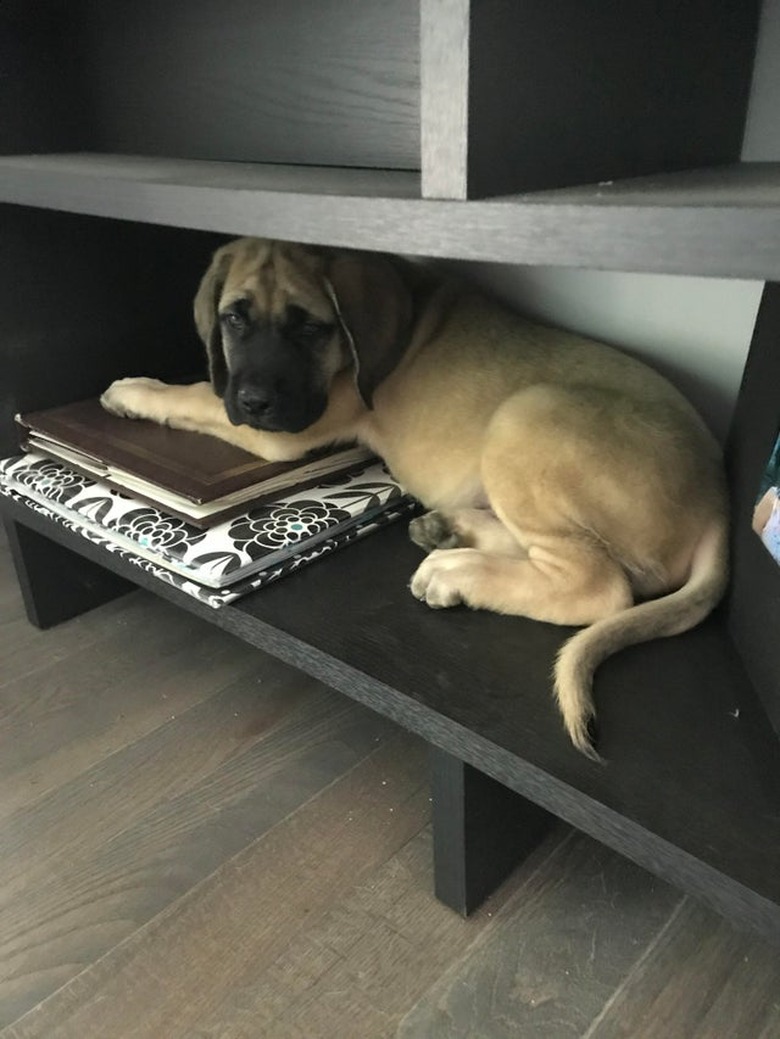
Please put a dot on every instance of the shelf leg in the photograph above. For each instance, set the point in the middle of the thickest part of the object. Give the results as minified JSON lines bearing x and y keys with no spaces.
{"x":481,"y":831}
{"x":56,"y":583}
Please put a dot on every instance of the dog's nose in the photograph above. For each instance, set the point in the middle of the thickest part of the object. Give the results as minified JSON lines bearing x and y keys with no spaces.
{"x":253,"y":401}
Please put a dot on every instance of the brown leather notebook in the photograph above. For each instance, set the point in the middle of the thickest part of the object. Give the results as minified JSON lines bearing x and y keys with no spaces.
{"x":191,"y":474}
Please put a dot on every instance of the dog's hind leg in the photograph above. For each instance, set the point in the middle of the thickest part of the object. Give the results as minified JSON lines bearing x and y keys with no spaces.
{"x":559,"y":580}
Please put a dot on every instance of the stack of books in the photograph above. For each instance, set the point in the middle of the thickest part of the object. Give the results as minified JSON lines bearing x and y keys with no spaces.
{"x":207,"y":517}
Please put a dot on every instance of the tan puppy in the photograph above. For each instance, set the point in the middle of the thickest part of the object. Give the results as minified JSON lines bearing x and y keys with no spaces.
{"x":569,"y":482}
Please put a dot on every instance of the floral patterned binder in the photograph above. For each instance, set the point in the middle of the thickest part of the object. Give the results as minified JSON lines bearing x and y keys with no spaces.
{"x":228,"y":560}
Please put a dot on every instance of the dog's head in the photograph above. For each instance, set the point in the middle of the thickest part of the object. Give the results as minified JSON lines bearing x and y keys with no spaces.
{"x":279,"y":321}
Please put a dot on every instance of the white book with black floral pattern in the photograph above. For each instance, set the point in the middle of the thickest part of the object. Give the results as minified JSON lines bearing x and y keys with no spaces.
{"x":261,"y":538}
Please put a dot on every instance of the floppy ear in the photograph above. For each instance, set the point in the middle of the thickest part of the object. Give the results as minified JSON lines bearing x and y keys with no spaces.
{"x":205,"y":312}
{"x":374,"y":308}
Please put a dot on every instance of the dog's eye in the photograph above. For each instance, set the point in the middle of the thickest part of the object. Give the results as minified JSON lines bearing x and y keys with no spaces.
{"x":233,"y":319}
{"x":301,"y":325}
{"x":315,"y":330}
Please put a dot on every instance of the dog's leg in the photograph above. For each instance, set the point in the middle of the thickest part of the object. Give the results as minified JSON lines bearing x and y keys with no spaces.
{"x":559,"y":581}
{"x":197,"y":408}
{"x":464,"y":528}
{"x":558,"y":468}
{"x":192,"y":407}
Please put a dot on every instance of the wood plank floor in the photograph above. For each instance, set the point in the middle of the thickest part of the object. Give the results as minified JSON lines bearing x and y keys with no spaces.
{"x":197,"y":841}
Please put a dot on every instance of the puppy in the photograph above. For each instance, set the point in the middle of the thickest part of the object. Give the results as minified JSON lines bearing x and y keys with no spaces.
{"x":567,"y":482}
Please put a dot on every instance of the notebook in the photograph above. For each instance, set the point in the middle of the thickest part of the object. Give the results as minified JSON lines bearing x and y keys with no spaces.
{"x":194,"y":476}
{"x":271,"y":537}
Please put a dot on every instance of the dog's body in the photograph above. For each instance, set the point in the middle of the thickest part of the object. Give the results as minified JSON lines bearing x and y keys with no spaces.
{"x":568,"y":480}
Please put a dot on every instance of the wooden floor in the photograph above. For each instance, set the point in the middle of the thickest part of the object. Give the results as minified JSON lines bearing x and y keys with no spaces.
{"x":197,"y":841}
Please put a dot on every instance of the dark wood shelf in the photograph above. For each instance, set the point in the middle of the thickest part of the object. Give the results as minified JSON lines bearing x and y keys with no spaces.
{"x":691,"y":788}
{"x":720,"y":221}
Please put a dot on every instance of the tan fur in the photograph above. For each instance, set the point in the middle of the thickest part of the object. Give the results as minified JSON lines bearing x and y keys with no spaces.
{"x":569,"y":480}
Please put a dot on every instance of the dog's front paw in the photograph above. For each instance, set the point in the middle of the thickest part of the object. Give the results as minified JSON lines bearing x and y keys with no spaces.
{"x":432,"y":531}
{"x":132,"y":398}
{"x":436,"y":581}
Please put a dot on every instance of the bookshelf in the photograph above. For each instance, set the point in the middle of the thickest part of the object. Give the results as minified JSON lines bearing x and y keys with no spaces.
{"x":420,"y":128}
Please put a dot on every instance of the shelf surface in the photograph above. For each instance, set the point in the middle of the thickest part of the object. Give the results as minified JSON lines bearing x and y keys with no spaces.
{"x":691,"y":788}
{"x":722,"y":221}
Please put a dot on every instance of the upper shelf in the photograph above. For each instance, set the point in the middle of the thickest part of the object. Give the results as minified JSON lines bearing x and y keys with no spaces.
{"x":721,"y":221}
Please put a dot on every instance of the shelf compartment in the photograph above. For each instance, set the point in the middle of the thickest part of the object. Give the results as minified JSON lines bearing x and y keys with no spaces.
{"x":721,"y":221}
{"x":316,"y":81}
{"x":532,"y":95}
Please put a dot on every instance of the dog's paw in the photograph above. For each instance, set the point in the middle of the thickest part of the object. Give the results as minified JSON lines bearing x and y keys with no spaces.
{"x":441,"y":579}
{"x":432,"y":531}
{"x":132,"y":398}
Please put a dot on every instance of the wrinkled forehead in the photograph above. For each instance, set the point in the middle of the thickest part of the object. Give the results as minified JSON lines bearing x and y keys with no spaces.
{"x":273,"y":275}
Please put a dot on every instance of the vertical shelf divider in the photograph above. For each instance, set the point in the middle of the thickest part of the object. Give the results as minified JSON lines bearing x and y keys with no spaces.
{"x":444,"y":85}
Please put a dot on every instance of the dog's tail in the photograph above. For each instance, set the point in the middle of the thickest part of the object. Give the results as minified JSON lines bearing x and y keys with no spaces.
{"x":670,"y":615}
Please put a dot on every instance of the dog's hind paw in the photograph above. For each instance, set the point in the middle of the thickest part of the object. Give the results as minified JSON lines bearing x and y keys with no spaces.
{"x":448,"y":578}
{"x":434,"y":530}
